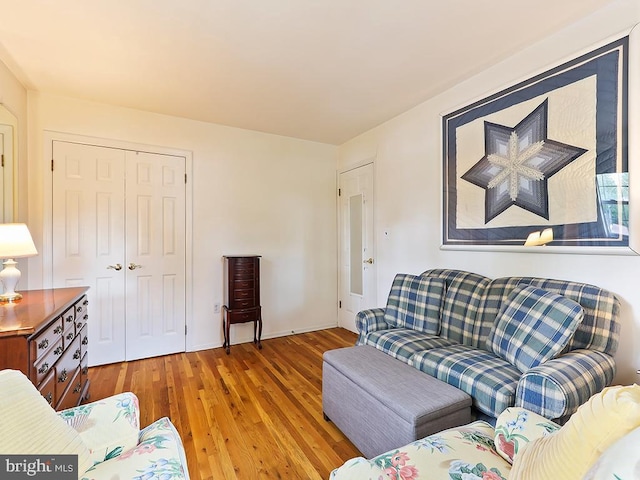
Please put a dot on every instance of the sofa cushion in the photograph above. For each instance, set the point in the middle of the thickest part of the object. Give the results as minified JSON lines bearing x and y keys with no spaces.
{"x":599,"y":329}
{"x":571,"y":451}
{"x":462,"y":301}
{"x":30,"y":426}
{"x":415,"y":302}
{"x":402,"y":343}
{"x":490,"y":380}
{"x":533,"y":326}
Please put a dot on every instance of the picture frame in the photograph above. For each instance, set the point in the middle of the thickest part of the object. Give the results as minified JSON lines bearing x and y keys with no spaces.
{"x":545,"y":161}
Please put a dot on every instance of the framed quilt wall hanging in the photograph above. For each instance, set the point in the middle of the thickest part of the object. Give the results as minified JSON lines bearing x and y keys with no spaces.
{"x":543,"y":161}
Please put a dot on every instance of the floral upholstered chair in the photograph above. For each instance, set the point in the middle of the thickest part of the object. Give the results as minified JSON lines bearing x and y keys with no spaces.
{"x":600,"y":441}
{"x":105,"y":434}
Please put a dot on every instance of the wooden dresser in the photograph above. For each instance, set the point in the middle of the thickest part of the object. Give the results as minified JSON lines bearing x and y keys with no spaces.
{"x":45,"y":336}
{"x":242,"y":295}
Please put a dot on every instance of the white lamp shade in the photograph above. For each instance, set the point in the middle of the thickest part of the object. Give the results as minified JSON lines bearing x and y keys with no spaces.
{"x":16,"y":241}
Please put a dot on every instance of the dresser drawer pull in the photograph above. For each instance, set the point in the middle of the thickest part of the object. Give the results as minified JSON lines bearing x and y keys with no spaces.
{"x":86,"y":316}
{"x":69,"y":319}
{"x":58,"y":350}
{"x":78,"y":387}
{"x":58,"y":329}
{"x":43,"y":344}
{"x":85,"y":370}
{"x":86,"y":302}
{"x":76,"y":354}
{"x":85,"y":340}
{"x":70,"y":336}
{"x":63,"y":376}
{"x":43,"y":368}
{"x":49,"y":398}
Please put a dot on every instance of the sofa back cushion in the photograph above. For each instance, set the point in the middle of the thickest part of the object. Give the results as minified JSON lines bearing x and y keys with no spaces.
{"x":599,"y":329}
{"x":415,"y":302}
{"x":462,"y":300}
{"x":533,"y":326}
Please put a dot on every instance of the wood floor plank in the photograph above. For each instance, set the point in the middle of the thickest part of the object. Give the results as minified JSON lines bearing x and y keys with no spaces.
{"x":251,"y":414}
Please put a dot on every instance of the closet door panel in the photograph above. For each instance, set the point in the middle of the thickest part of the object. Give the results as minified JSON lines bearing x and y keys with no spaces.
{"x":155,"y":233}
{"x":88,"y":225}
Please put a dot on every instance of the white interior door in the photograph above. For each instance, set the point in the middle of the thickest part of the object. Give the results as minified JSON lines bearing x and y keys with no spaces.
{"x":119,"y":228}
{"x":357,"y":267}
{"x":88,"y":239}
{"x":155,"y":265}
{"x":3,"y":216}
{"x":6,"y":174}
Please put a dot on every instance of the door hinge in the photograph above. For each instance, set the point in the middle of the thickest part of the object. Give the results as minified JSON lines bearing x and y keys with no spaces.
{"x":340,"y":304}
{"x":339,"y":192}
{"x":52,"y":164}
{"x":3,"y":160}
{"x":185,"y":330}
{"x":185,"y":178}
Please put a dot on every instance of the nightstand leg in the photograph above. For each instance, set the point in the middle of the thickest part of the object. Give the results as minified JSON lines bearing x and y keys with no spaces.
{"x":259,"y":328}
{"x":225,"y":330}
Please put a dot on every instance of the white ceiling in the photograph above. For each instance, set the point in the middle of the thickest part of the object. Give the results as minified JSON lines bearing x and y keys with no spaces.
{"x":322,"y":70}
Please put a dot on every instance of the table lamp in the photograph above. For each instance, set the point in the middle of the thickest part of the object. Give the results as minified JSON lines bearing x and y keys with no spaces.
{"x":15,"y":242}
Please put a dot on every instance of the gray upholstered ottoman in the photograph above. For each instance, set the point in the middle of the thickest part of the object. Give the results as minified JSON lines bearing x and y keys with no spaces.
{"x":381,"y":403}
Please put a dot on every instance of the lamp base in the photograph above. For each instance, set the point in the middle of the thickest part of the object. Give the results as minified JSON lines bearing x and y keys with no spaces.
{"x":9,"y":276}
{"x":10,"y":297}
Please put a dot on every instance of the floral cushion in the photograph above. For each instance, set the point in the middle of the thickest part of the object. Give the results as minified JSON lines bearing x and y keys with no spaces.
{"x":159,"y":454}
{"x":533,"y":326}
{"x":462,"y":453}
{"x":516,"y":427}
{"x":415,"y":302}
{"x":620,"y":461}
{"x":571,"y":451}
{"x":107,"y":427}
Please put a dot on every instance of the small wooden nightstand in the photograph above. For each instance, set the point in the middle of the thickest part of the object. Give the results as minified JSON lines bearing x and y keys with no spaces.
{"x":242,"y":295}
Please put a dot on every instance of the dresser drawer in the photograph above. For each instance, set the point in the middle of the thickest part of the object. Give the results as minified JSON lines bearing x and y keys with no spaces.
{"x":241,"y":316}
{"x":48,"y":388}
{"x":44,"y":341}
{"x":243,"y":303}
{"x":69,"y":318}
{"x":45,"y":364}
{"x":67,"y":366}
{"x":82,"y":314}
{"x":244,"y":284}
{"x":84,"y":340}
{"x":71,"y":397}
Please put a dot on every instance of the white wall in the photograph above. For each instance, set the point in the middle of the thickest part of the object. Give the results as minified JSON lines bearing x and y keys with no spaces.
{"x":408,"y":186}
{"x":252,"y":193}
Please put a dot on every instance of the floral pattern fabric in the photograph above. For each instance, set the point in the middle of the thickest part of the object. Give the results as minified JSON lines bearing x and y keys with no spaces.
{"x":158,"y":455}
{"x":463,"y":453}
{"x":516,"y":427}
{"x":107,"y":427}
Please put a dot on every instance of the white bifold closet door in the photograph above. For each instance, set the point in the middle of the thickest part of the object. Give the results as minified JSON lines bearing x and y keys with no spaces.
{"x":119,"y":228}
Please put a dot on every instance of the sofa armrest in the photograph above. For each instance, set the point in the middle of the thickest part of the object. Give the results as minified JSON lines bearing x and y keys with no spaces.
{"x":368,"y":321}
{"x":556,"y":388}
{"x":107,"y":427}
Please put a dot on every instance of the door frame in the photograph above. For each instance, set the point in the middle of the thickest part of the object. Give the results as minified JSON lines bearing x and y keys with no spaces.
{"x":47,"y":221}
{"x":353,"y":166}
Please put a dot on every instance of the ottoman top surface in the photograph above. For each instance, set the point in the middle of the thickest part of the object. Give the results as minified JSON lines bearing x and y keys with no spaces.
{"x":410,"y":393}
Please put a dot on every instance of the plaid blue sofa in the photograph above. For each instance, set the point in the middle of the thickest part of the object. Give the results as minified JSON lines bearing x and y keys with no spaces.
{"x":541,"y":344}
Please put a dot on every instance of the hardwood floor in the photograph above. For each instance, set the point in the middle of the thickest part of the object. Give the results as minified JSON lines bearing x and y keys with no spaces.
{"x":252,"y":414}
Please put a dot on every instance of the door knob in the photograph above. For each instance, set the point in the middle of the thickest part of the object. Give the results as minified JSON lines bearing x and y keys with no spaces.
{"x":116,"y":267}
{"x":369,"y":261}
{"x":133,"y":266}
